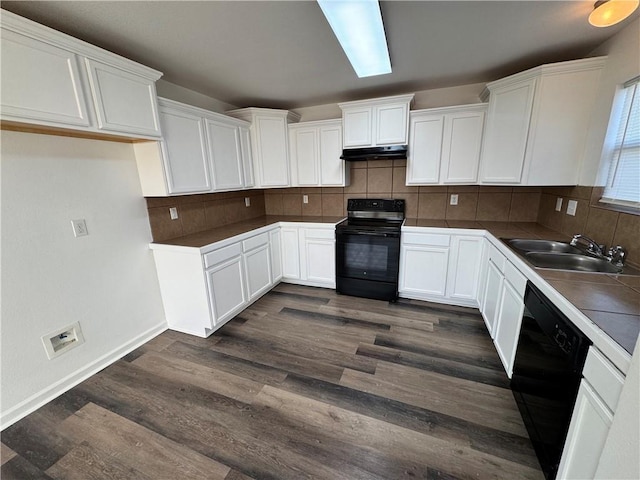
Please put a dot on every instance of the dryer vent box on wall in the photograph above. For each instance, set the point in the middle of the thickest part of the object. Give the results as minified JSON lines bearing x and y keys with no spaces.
{"x":62,"y":340}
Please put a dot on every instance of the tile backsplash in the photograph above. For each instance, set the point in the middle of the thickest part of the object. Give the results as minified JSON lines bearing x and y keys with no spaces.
{"x":386,"y":179}
{"x":605,"y":226}
{"x":197,"y":213}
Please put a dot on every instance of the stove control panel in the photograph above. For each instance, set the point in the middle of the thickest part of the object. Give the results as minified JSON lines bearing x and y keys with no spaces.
{"x":375,"y":205}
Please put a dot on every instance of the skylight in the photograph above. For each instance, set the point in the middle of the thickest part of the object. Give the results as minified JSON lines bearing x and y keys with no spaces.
{"x":358,"y":26}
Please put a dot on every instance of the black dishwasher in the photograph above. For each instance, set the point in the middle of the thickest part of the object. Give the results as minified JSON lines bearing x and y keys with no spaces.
{"x":546,"y":375}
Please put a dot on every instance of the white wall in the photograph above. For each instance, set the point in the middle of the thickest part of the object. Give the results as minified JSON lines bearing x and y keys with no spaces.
{"x":439,"y":97}
{"x":623,"y":63}
{"x":106,"y":281}
{"x":180,"y":94}
{"x":620,"y":457}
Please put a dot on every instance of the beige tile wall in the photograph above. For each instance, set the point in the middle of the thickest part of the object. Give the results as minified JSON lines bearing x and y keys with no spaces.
{"x":386,"y":179}
{"x":604,"y":226}
{"x":201,"y":212}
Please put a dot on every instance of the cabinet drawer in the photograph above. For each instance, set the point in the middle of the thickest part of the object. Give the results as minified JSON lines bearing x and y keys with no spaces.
{"x":606,"y":379}
{"x":497,"y":258}
{"x":254,"y":242}
{"x":432,"y":239}
{"x":217,"y":256}
{"x":320,"y":233}
{"x":515,"y":278}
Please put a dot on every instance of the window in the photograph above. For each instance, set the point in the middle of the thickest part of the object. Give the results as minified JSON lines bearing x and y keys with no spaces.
{"x":623,"y":180}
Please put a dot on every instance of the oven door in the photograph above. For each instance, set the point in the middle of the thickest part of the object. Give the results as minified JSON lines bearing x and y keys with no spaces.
{"x":367,"y":255}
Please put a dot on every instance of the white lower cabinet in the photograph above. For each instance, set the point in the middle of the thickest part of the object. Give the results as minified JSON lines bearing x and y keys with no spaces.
{"x":440,"y":267}
{"x":308,"y":255}
{"x":503,"y":305}
{"x":226,"y":284}
{"x":202,"y":291}
{"x":592,"y":416}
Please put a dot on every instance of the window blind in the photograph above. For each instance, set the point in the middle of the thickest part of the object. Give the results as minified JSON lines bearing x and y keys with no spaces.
{"x":623,"y":181}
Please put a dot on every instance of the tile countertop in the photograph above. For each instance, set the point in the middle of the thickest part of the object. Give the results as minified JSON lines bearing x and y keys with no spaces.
{"x":611,"y":302}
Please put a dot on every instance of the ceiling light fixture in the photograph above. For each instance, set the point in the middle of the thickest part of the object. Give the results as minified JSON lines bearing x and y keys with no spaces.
{"x":609,"y":12}
{"x":358,"y":26}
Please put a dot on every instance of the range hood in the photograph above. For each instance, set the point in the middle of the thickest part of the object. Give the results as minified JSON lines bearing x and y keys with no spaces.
{"x":391,"y":152}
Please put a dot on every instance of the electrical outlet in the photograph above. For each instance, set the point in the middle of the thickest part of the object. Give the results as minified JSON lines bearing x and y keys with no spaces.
{"x":173,"y":212}
{"x":247,"y":201}
{"x":559,"y":204}
{"x":79,"y":228}
{"x":305,"y":198}
{"x":572,"y":205}
{"x":62,"y":340}
{"x":454,"y":199}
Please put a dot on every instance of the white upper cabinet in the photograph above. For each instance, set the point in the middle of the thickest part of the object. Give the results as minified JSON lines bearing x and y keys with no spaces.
{"x":270,"y":144}
{"x":184,"y":151}
{"x":376,"y":122}
{"x":124,"y":102}
{"x":315,"y":149}
{"x":444,"y":145}
{"x":537,"y":124}
{"x":52,"y":79}
{"x":56,"y":97}
{"x":225,"y":153}
{"x":201,"y":152}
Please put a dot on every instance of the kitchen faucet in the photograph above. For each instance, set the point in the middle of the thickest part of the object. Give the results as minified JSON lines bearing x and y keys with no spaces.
{"x":616,"y":255}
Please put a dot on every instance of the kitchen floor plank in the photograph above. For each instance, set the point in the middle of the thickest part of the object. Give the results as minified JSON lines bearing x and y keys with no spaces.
{"x":305,"y":383}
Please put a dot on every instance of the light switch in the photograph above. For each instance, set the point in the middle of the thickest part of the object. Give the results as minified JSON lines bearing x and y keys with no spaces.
{"x":247,"y":201}
{"x":559,"y":204}
{"x":454,"y":199}
{"x":173,"y":212}
{"x":572,"y":205}
{"x":305,"y":198}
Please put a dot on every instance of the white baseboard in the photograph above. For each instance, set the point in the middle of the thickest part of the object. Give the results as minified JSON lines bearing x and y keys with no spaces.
{"x":44,"y":396}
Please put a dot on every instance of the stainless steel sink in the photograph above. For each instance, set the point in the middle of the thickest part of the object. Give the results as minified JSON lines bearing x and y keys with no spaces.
{"x":527,"y":245}
{"x":571,"y":261}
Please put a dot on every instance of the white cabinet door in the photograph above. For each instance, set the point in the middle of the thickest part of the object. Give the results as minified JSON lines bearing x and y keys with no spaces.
{"x":124,"y":102}
{"x":588,"y":432}
{"x":305,"y":155}
{"x":505,"y":137}
{"x":184,"y":152}
{"x":425,"y":149}
{"x":423,"y":271}
{"x":358,"y":127}
{"x":461,"y":144}
{"x":290,"y":253}
{"x":247,"y":157}
{"x":276,"y":255}
{"x":223,"y":142}
{"x":492,"y":297}
{"x":464,"y":268}
{"x":510,"y":312}
{"x":320,"y":261}
{"x":332,"y":167}
{"x":258,"y":271}
{"x":273,"y":156}
{"x":227,"y":289}
{"x":391,"y":124}
{"x":54,"y":96}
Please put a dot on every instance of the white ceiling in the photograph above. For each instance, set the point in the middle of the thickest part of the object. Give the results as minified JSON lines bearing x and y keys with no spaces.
{"x":282,"y":54}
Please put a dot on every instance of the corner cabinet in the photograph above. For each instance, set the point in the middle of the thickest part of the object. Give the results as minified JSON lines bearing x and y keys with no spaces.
{"x":202,"y":289}
{"x":376,"y":122}
{"x":270,"y":144}
{"x":315,"y":149}
{"x":453,"y":263}
{"x":85,"y":88}
{"x":201,"y":152}
{"x":537,"y":124}
{"x":444,"y":145}
{"x":308,"y":254}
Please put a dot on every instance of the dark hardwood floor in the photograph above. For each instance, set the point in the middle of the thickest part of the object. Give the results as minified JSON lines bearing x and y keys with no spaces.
{"x":303,"y":384}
